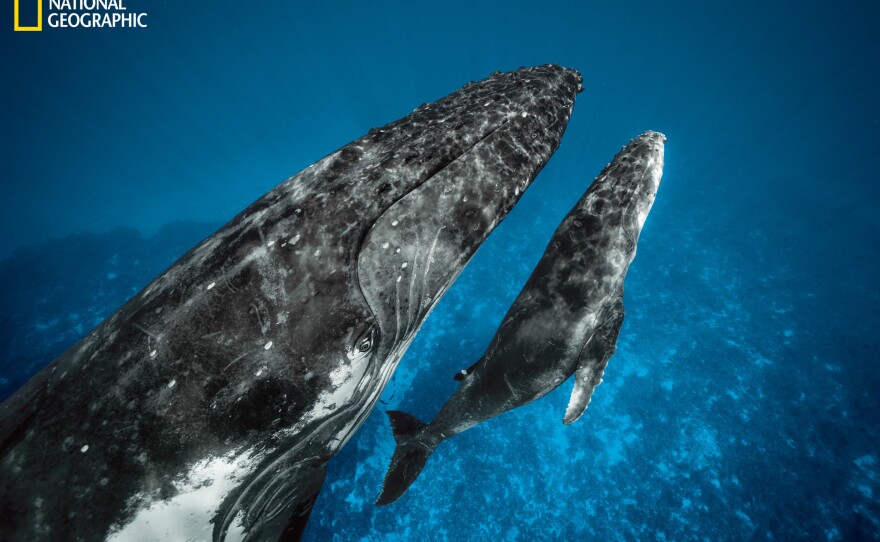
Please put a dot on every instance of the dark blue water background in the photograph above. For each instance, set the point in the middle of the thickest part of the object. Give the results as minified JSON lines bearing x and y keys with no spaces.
{"x":743,"y":399}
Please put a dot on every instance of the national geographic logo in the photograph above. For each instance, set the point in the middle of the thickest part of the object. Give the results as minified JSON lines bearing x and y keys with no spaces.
{"x":17,"y":18}
{"x":79,"y":14}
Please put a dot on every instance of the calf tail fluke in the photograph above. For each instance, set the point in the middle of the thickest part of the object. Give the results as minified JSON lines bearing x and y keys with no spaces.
{"x":409,"y":457}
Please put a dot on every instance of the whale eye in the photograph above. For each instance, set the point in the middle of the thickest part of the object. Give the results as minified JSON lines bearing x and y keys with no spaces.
{"x":365,"y":342}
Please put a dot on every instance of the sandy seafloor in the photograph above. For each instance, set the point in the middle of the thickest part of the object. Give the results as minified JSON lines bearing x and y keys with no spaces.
{"x":744,"y":399}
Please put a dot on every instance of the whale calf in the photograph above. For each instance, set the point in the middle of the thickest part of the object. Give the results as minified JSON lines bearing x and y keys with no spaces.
{"x":208,"y":406}
{"x":565,"y":320}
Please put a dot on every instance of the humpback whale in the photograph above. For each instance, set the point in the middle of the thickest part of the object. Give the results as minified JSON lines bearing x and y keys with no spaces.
{"x":565,"y":320}
{"x":208,"y":406}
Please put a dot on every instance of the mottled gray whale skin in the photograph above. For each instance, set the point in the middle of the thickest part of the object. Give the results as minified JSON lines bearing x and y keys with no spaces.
{"x":207,"y":407}
{"x":565,"y":320}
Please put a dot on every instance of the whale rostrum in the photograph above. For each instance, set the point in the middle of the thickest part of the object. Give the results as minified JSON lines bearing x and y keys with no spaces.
{"x":565,"y":320}
{"x":208,"y":406}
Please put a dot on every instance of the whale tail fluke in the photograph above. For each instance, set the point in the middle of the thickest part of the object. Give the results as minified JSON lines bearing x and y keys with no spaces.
{"x":409,"y":457}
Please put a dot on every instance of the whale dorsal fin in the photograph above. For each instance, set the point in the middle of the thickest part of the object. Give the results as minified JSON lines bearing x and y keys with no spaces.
{"x":592,"y":361}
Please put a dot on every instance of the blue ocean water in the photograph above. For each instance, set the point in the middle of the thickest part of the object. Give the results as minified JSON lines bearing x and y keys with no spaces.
{"x":744,"y":399}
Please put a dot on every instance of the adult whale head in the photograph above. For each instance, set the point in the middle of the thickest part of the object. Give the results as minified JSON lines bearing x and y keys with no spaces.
{"x":209,"y":404}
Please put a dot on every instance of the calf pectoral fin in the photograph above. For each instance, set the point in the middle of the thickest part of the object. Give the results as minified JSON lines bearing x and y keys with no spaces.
{"x":592,"y":362}
{"x":586,"y":380}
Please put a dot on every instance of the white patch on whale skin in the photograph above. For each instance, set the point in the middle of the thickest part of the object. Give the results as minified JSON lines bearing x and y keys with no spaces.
{"x":349,"y":380}
{"x":188,"y":515}
{"x":345,"y":379}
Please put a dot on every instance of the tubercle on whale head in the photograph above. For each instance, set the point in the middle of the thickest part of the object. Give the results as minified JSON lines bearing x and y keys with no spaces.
{"x":553,"y":89}
{"x":633,"y":175}
{"x":652,"y":143}
{"x":651,"y":150}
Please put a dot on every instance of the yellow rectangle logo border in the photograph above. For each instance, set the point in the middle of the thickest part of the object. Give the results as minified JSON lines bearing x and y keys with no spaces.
{"x":38,"y":28}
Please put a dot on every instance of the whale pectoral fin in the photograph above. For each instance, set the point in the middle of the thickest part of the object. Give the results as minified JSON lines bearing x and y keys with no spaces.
{"x":592,"y":362}
{"x":459,"y":376}
{"x":273,"y":503}
{"x":299,"y":516}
